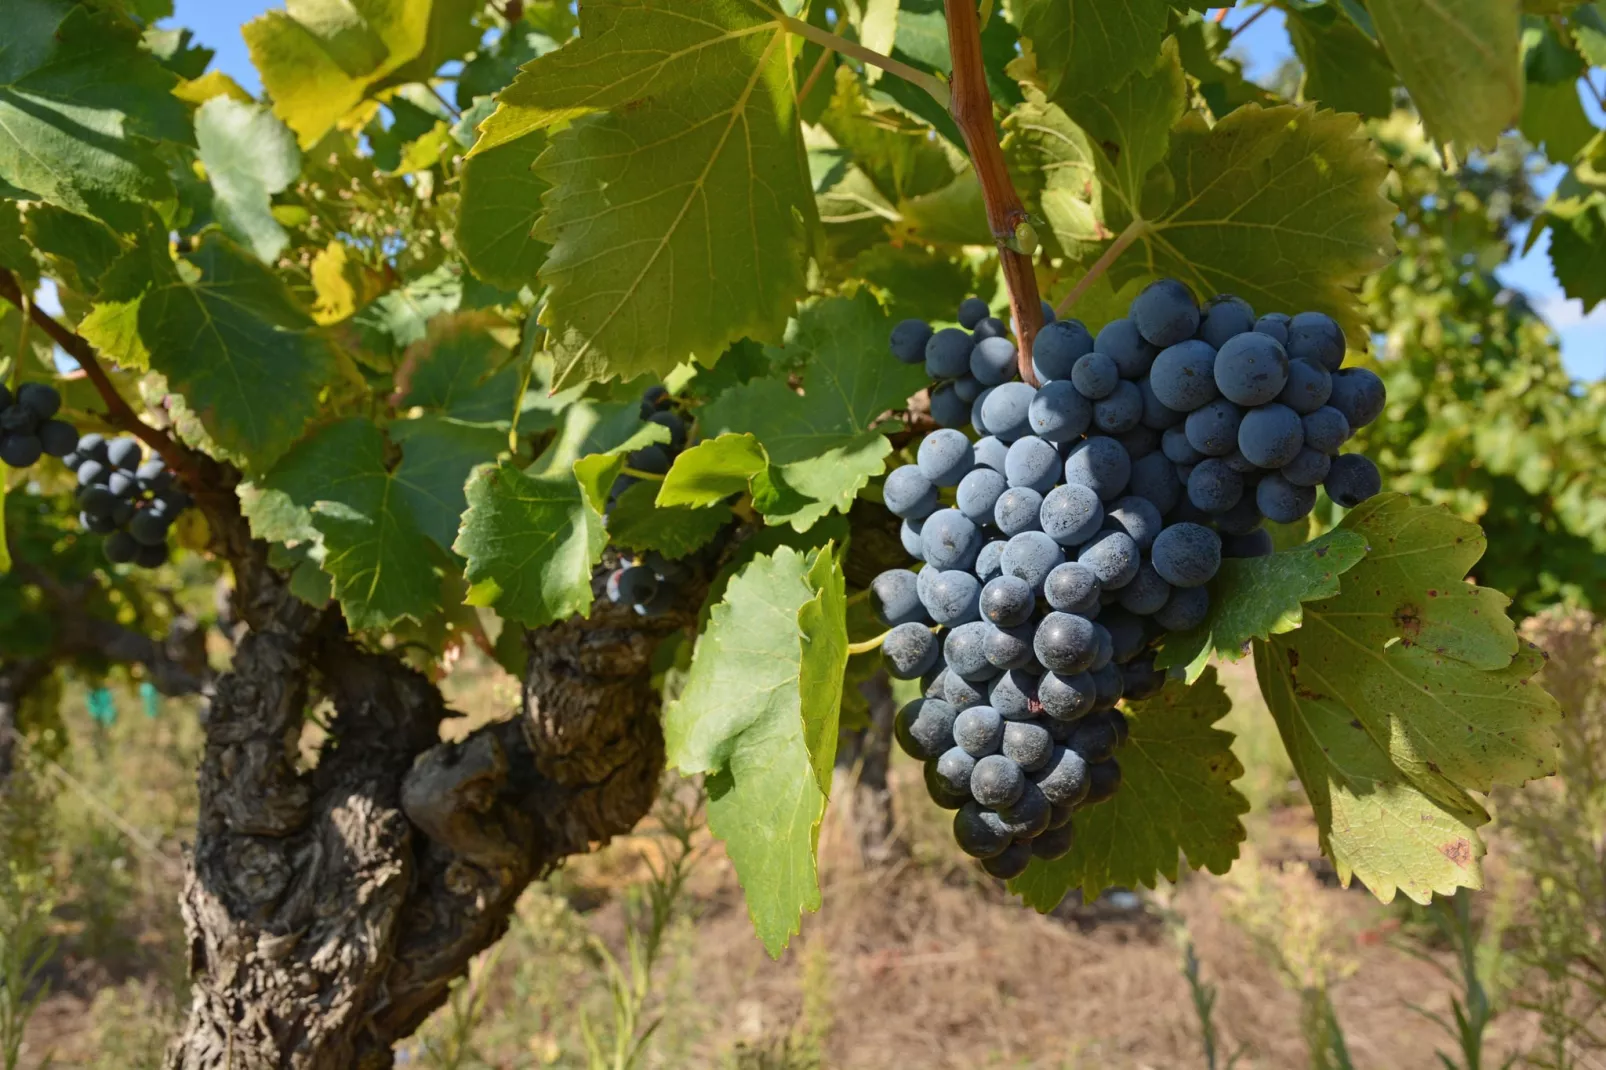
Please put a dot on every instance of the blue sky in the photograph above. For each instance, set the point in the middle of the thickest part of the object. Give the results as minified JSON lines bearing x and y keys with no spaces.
{"x":1263,"y":47}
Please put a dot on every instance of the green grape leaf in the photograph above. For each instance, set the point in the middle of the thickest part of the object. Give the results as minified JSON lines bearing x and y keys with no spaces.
{"x":374,"y":550}
{"x":462,"y":371}
{"x":637,"y":524}
{"x":713,"y":470}
{"x":1461,"y":62}
{"x":501,"y":202}
{"x":1589,"y":33}
{"x":15,"y":255}
{"x":758,"y":715}
{"x":1176,"y":797}
{"x":1282,"y":206}
{"x":1578,"y":248}
{"x":680,"y":211}
{"x":1554,"y":117}
{"x":437,"y":457}
{"x":531,"y":542}
{"x":395,"y":320}
{"x":1092,"y":45}
{"x":249,"y":156}
{"x":1428,"y":669}
{"x":78,"y":249}
{"x":1258,"y":597}
{"x":246,"y":357}
{"x":1056,"y":164}
{"x":79,"y":101}
{"x":1344,"y":68}
{"x":822,"y":445}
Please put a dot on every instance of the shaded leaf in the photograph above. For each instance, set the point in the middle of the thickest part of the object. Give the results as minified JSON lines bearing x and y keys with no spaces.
{"x":249,"y":156}
{"x":501,"y":202}
{"x":1461,"y":63}
{"x":636,"y":523}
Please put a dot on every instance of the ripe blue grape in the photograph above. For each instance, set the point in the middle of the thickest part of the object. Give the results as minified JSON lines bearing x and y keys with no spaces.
{"x":990,"y":453}
{"x":1251,"y":369}
{"x":1008,"y":648}
{"x":972,"y":310}
{"x":1146,"y":593}
{"x":1032,"y":462}
{"x":1007,"y":601}
{"x":1326,"y":429}
{"x":907,"y":493}
{"x":1271,"y":435}
{"x":1106,"y":649}
{"x":1067,"y":696}
{"x":21,"y":451}
{"x":952,"y":598}
{"x":1241,"y":464}
{"x":1176,"y":447}
{"x":1274,"y":324}
{"x":1031,"y":556}
{"x":1154,"y":478}
{"x":961,"y":693}
{"x":1121,"y":342}
{"x":944,"y":457}
{"x":948,"y":409}
{"x":1049,"y":315}
{"x":1104,"y":779}
{"x":1157,"y":415}
{"x":1353,"y":479}
{"x":993,"y":361}
{"x":1004,"y":411}
{"x":1057,"y":841}
{"x":989,"y":565}
{"x":126,"y":453}
{"x":1138,"y":517}
{"x":1187,"y":555}
{"x":909,"y":340}
{"x":1057,"y":348}
{"x":979,"y":731}
{"x":1308,"y":469}
{"x":1064,"y":643}
{"x":948,"y":353}
{"x":925,"y":728}
{"x":1028,"y":816}
{"x":965,"y":652}
{"x":895,"y":599}
{"x":978,"y":493}
{"x":989,"y":327}
{"x":967,"y":388}
{"x":909,"y":535}
{"x":1013,"y":694}
{"x":1314,"y":336}
{"x":1093,"y":738}
{"x":1165,"y":313}
{"x":1184,"y":377}
{"x":57,"y":438}
{"x":1214,"y":487}
{"x":1223,"y":316}
{"x":954,"y":768}
{"x":1113,"y":557}
{"x":1308,"y":388}
{"x":909,"y":650}
{"x":1121,"y":411}
{"x":1095,"y":376}
{"x":996,"y":781}
{"x":1212,"y":430}
{"x":1064,"y":780}
{"x":1245,"y":516}
{"x":1101,"y":464}
{"x":1359,"y":394}
{"x":950,"y":540}
{"x":1139,"y":442}
{"x":980,"y":833}
{"x":1072,"y":588}
{"x":1009,"y":863}
{"x":1186,"y":608}
{"x":1059,"y":413}
{"x":1071,"y":514}
{"x":1018,"y":510}
{"x":1257,"y":543}
{"x":941,"y":789}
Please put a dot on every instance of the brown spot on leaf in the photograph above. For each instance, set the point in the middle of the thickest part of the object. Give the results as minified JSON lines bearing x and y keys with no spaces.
{"x":1293,"y":658}
{"x":1458,"y":851}
{"x":1321,"y":551}
{"x":1409,"y":619}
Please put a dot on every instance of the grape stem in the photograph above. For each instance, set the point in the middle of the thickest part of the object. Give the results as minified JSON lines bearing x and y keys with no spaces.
{"x":118,"y":413}
{"x":972,"y":109}
{"x":820,"y":36}
{"x":639,"y":474}
{"x":1134,"y":230}
{"x":869,"y":644}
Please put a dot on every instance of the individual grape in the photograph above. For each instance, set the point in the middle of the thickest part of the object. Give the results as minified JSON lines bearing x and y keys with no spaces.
{"x":1214,"y":487}
{"x":1155,"y":479}
{"x":993,"y":361}
{"x":1146,"y":593}
{"x":948,"y":353}
{"x":1127,"y":637}
{"x":93,"y":472}
{"x":944,"y":457}
{"x":909,"y":340}
{"x":654,"y":398}
{"x":1352,"y":480}
{"x":942,"y":788}
{"x":909,"y":535}
{"x":1251,"y":369}
{"x":1121,"y":342}
{"x":20,"y":451}
{"x":1121,"y":411}
{"x":1184,"y":610}
{"x":1072,"y":588}
{"x":1139,"y":442}
{"x":1314,"y":336}
{"x":148,"y":528}
{"x":1057,"y":348}
{"x":1028,"y":817}
{"x":1031,"y":555}
{"x":948,"y":409}
{"x":965,"y":652}
{"x":1184,"y":377}
{"x":955,"y":767}
{"x":924,"y":579}
{"x":1212,"y":430}
{"x":990,"y":453}
{"x":1223,"y":316}
{"x":978,"y":494}
{"x":1139,"y":517}
{"x":1114,"y":558}
{"x":1018,"y":510}
{"x":952,"y":598}
{"x":972,"y":310}
{"x":91,"y":447}
{"x":925,"y":728}
{"x":1099,"y":463}
{"x":1257,"y":543}
{"x":976,"y":406}
{"x":967,"y":388}
{"x":1071,"y":514}
{"x":1028,"y":745}
{"x":120,"y":548}
{"x":96,"y":500}
{"x":1004,"y":411}
{"x":988,"y":565}
{"x":909,"y":650}
{"x":96,"y":525}
{"x":1241,"y":464}
{"x":1176,"y":447}
{"x":989,"y":327}
{"x":122,"y":512}
{"x":907,"y":493}
{"x":123,"y":485}
{"x":1245,"y":516}
{"x":1326,"y":429}
{"x":1185,"y":473}
{"x":1165,"y":313}
{"x":961,"y":693}
{"x":1067,"y":696}
{"x":1064,"y":780}
{"x":1360,"y":395}
{"x":1187,"y":555}
{"x":895,"y":598}
{"x":1104,"y":780}
{"x":1308,"y":469}
{"x":1009,"y":863}
{"x":40,"y":399}
{"x":979,"y":731}
{"x":1032,"y":462}
{"x":635,"y":585}
{"x":151,"y":556}
{"x":1095,"y":375}
{"x":1106,"y":648}
{"x":1157,"y":415}
{"x":1093,"y":739}
{"x":1013,"y":694}
{"x":1064,"y":643}
{"x":654,"y":459}
{"x":1008,"y":648}
{"x":996,"y":781}
{"x":1057,"y":841}
{"x":1007,"y":601}
{"x":57,"y":437}
{"x":1274,"y":324}
{"x":1308,"y":388}
{"x":980,"y":833}
{"x":1117,"y":720}
{"x":950,"y":540}
{"x":1271,"y":435}
{"x":1059,"y":413}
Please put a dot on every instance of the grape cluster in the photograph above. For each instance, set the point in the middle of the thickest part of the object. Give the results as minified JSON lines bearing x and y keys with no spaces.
{"x":656,"y":407}
{"x":131,"y":501}
{"x":647,"y":584}
{"x":1084,"y":521}
{"x":28,"y":427}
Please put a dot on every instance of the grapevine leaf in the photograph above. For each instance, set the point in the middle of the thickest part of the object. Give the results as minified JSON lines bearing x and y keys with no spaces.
{"x":1589,"y":33}
{"x":1425,"y":665}
{"x":77,"y":249}
{"x":1258,"y":597}
{"x":759,"y":715}
{"x":1092,"y":45}
{"x":462,"y":371}
{"x":1344,"y":68}
{"x":712,"y":470}
{"x":822,"y":444}
{"x":501,"y":201}
{"x":1461,"y":63}
{"x":1176,"y":797}
{"x":374,"y":550}
{"x":1578,"y":248}
{"x":1059,"y":166}
{"x":249,"y":156}
{"x":1552,"y":115}
{"x":636,"y":523}
{"x":437,"y":457}
{"x":396,"y":319}
{"x":245,"y":356}
{"x":680,"y":210}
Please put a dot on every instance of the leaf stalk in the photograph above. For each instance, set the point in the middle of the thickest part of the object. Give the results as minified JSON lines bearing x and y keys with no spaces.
{"x":913,"y":75}
{"x":1134,"y":230}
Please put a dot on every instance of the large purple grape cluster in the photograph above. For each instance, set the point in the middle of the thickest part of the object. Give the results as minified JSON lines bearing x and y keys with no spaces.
{"x":1080,"y":521}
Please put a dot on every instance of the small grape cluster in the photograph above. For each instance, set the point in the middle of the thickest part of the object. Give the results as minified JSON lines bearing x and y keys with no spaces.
{"x":647,"y":583}
{"x":656,"y":408}
{"x":131,"y":501}
{"x":1083,"y":524}
{"x":29,"y":429}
